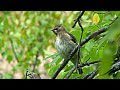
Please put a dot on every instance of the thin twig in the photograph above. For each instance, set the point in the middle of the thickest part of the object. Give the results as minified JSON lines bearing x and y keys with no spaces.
{"x":113,"y":21}
{"x":35,"y":63}
{"x":69,"y":74}
{"x":115,"y":67}
{"x":13,"y":49}
{"x":79,"y":49}
{"x":79,"y":66}
{"x":89,"y":63}
{"x":81,"y":13}
{"x":91,"y":75}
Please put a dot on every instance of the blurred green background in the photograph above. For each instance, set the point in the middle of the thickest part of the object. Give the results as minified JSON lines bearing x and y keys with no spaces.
{"x":25,"y":35}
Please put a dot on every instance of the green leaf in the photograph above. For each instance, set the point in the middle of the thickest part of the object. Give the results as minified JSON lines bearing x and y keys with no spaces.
{"x":53,"y":69}
{"x":9,"y":58}
{"x":8,"y":76}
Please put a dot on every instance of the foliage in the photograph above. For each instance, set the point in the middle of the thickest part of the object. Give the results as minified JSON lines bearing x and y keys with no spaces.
{"x":30,"y":33}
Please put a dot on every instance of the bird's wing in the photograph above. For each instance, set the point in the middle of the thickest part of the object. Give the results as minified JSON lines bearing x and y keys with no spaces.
{"x":72,"y":38}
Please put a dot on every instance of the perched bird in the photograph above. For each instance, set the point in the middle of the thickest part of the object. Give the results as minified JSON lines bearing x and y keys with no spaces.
{"x":65,"y":43}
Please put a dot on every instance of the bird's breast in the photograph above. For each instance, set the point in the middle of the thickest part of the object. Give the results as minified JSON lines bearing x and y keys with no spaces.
{"x":64,"y":46}
{"x":59,"y":44}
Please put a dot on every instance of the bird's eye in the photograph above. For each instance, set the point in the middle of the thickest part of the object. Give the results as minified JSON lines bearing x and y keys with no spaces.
{"x":55,"y":30}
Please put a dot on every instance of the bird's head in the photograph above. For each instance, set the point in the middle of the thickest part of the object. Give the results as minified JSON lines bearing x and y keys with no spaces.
{"x":58,"y":28}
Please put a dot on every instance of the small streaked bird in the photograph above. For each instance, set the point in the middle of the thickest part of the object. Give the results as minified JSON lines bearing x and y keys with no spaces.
{"x":65,"y":43}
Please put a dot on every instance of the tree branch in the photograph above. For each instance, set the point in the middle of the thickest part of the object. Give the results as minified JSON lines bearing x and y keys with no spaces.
{"x":91,"y":75}
{"x":79,"y":49}
{"x":77,"y":20}
{"x":93,"y":35}
{"x":61,"y":67}
{"x":79,"y":66}
{"x":113,"y":21}
{"x":102,"y":30}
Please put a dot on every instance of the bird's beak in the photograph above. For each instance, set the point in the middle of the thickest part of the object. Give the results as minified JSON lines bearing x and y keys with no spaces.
{"x":53,"y":30}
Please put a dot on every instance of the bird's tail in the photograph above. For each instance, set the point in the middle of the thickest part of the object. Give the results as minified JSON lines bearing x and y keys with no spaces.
{"x":80,"y":71}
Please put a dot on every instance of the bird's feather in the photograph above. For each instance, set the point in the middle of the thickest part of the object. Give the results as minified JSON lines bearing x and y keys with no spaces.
{"x":72,"y":38}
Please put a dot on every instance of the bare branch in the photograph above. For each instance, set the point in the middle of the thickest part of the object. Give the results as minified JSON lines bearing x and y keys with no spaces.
{"x":70,"y":73}
{"x":93,"y":35}
{"x":82,"y":65}
{"x":113,"y":21}
{"x":91,"y":75}
{"x":79,"y":49}
{"x":77,"y":20}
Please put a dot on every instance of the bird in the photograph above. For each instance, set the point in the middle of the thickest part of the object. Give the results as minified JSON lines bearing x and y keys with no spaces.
{"x":65,"y":42}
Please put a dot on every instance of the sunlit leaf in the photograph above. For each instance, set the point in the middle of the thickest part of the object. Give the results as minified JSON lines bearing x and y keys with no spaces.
{"x":95,"y":18}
